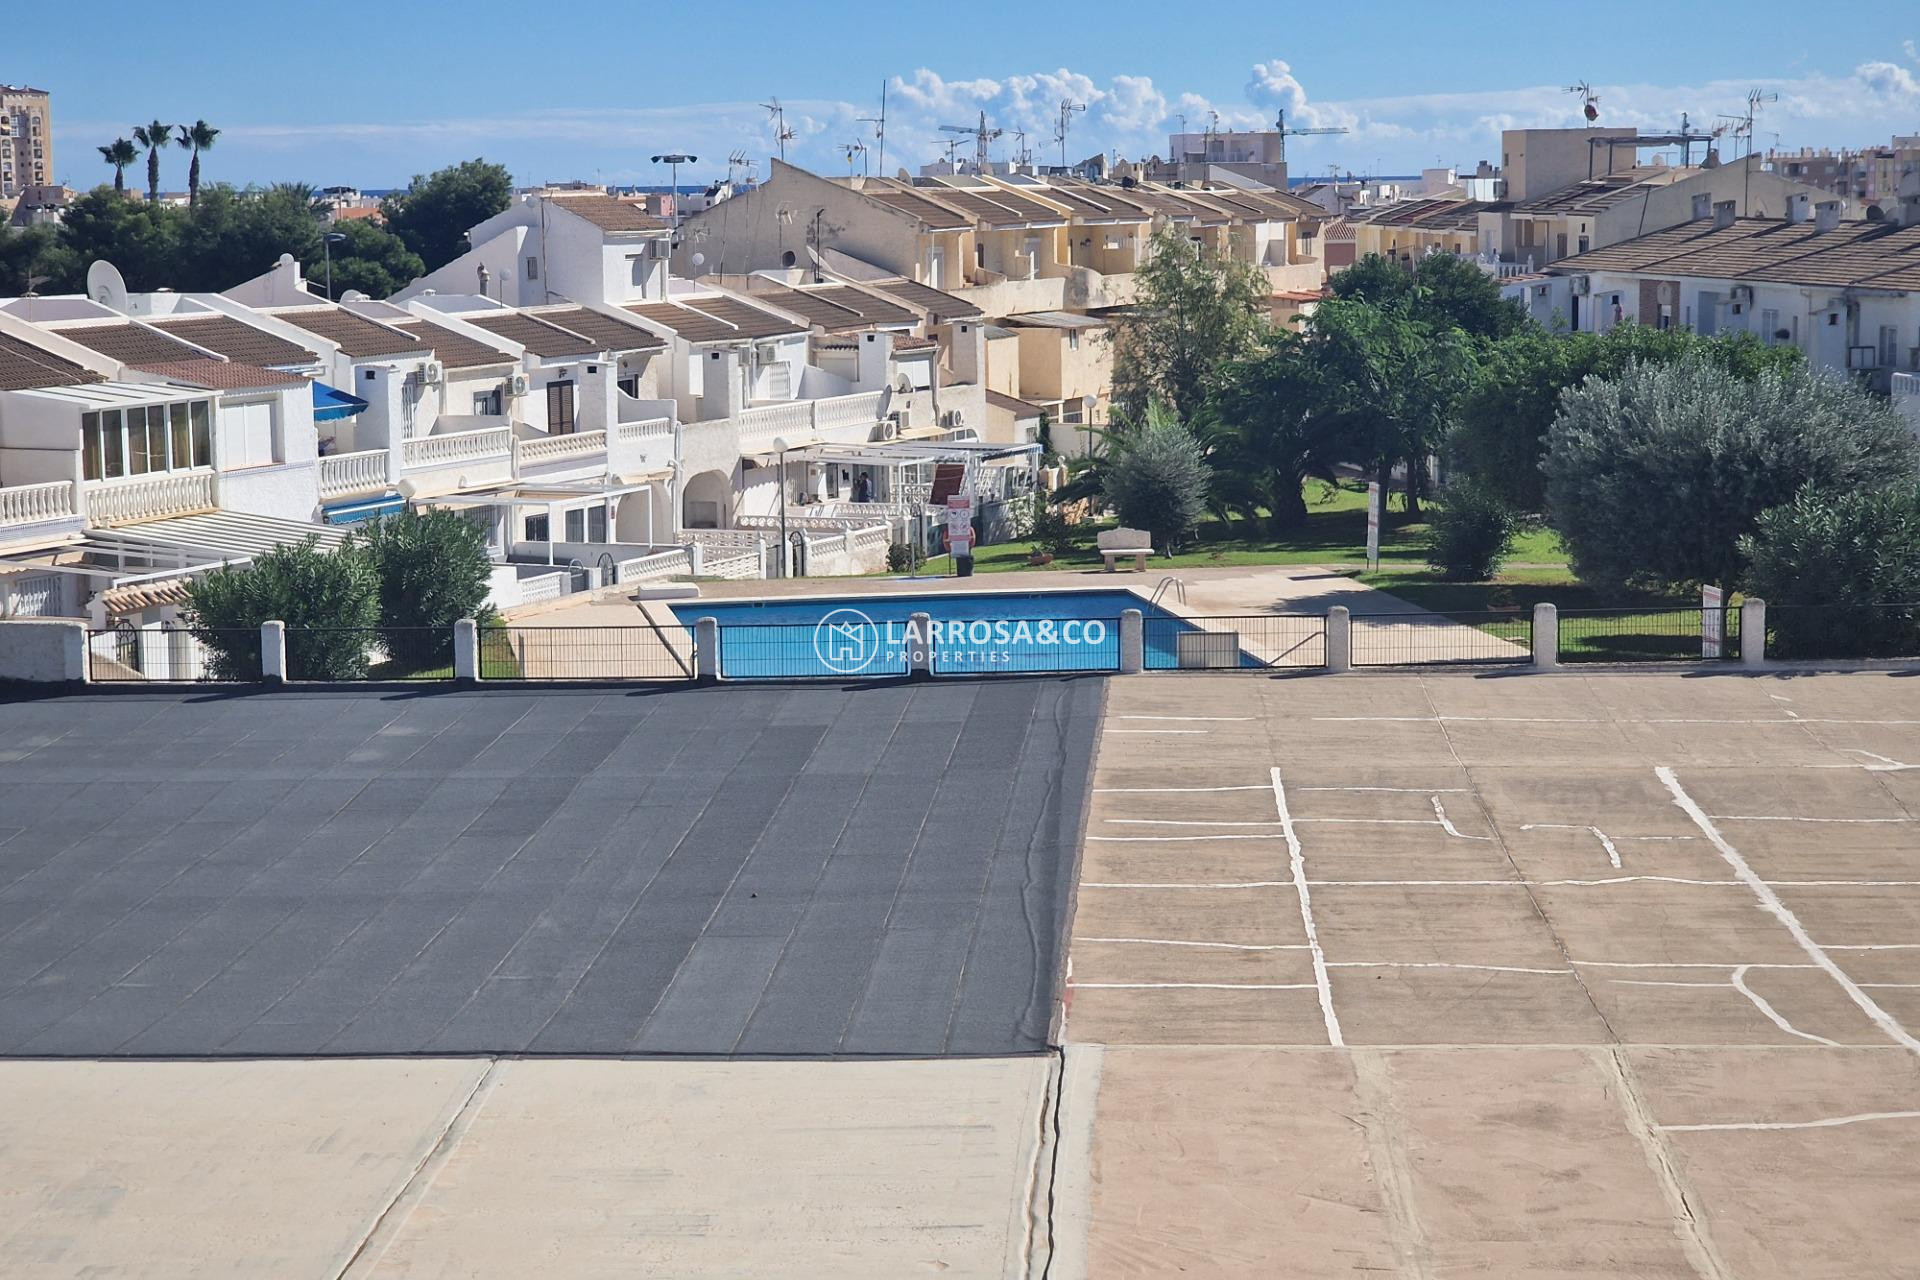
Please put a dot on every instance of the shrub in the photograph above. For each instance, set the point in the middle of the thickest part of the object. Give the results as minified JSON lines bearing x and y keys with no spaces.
{"x":432,"y":569}
{"x":327,"y":599}
{"x":901,"y":557}
{"x":1051,"y":531}
{"x":1834,"y":569}
{"x":1471,"y":533}
{"x":1158,"y":481}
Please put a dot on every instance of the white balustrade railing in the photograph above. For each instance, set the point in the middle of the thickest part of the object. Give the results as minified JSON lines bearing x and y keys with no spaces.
{"x":746,"y":566}
{"x":798,"y":419}
{"x":543,"y":450}
{"x":647,"y":429}
{"x":32,"y":503}
{"x":661,"y":564}
{"x":348,"y":473}
{"x":1905,"y":384}
{"x":149,"y":498}
{"x":849,"y":411}
{"x":457,"y":447}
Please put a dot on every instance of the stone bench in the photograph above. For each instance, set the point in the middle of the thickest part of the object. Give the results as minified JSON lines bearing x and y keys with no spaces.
{"x":1117,"y":543}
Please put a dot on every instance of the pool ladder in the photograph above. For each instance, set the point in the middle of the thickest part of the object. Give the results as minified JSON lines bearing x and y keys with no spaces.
{"x":1179,"y":590}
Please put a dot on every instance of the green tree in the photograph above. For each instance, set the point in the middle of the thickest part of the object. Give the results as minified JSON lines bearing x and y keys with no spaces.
{"x":1840,"y":572}
{"x":30,"y":253}
{"x":155,"y":137}
{"x":1273,"y":425}
{"x":434,"y":214}
{"x":1157,"y":480}
{"x":1499,"y":436}
{"x":432,"y":569}
{"x":1193,"y":312}
{"x":119,"y":153}
{"x":1391,"y":382}
{"x":329,"y":601}
{"x":195,"y":137}
{"x":1654,"y":476}
{"x":231,"y":236}
{"x":1472,"y":532}
{"x":102,"y":225}
{"x":373,"y":259}
{"x":1442,"y":290}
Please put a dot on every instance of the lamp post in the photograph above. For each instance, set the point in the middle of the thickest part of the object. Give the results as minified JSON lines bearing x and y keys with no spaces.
{"x":327,"y":242}
{"x":675,"y":159}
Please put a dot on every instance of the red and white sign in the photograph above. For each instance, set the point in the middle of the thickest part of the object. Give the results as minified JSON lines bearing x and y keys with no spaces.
{"x":1713,"y":621}
{"x":960,"y":524}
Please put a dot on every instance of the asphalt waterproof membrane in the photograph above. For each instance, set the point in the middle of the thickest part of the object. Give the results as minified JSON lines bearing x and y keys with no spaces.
{"x":794,"y":870}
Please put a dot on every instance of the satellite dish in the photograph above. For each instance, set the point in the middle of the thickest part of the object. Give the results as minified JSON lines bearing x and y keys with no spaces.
{"x":106,"y":287}
{"x":354,"y":295}
{"x":699,"y":259}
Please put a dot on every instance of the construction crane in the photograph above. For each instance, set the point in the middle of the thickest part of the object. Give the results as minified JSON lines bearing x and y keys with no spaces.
{"x":781,"y":134}
{"x":981,"y":137}
{"x":1280,"y":124}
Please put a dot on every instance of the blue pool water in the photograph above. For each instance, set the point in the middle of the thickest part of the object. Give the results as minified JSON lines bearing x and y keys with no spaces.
{"x":972,"y":633}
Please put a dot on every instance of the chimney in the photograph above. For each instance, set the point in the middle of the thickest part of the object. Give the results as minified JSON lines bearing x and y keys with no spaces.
{"x":1798,"y":205}
{"x":720,"y":390}
{"x":1826,"y":215}
{"x":875,"y":354}
{"x":967,"y":351}
{"x":1702,"y":205}
{"x":1722,"y":215}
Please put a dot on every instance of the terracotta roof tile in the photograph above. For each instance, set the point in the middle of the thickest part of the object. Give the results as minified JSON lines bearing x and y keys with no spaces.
{"x":222,"y":375}
{"x":25,"y":367}
{"x":611,"y":334}
{"x":236,"y":340}
{"x":609,"y":214}
{"x":127,"y":342}
{"x":454,"y":350}
{"x":358,"y":337}
{"x":537,"y":336}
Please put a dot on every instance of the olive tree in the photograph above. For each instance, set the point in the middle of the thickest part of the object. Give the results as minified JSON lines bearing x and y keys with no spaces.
{"x":1654,"y":476}
{"x":1157,"y":480}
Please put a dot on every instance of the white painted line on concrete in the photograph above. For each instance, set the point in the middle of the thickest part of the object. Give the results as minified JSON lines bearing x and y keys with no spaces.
{"x":1271,"y":835}
{"x":1740,"y":984}
{"x":1843,"y":884}
{"x":1771,"y":903}
{"x":1187,"y":884}
{"x":1185,"y":942}
{"x":1297,"y":861}
{"x":1648,"y":982}
{"x":1418,"y":791}
{"x":1188,"y":822}
{"x":1204,"y":719}
{"x":1900,"y":986}
{"x":1535,"y":884}
{"x":1887,"y":763}
{"x":1373,"y":822}
{"x":1774,"y":817}
{"x":1436,"y":964}
{"x":1606,"y":840}
{"x":1480,"y":719}
{"x":1763,"y":1126}
{"x":1871,"y":946}
{"x":1440,"y":812}
{"x":1193,"y":985}
{"x":1163,"y":790}
{"x":1188,"y":731}
{"x":1680,"y":964}
{"x":1762,"y":722}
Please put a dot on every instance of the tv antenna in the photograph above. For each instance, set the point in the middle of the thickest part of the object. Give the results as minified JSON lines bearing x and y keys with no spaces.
{"x":981,"y":137}
{"x":953,"y":148}
{"x":852,"y":149}
{"x":879,"y":124}
{"x":1280,"y":124}
{"x":1589,"y":100}
{"x":1023,"y":154}
{"x":1067,"y":107}
{"x":735,"y":160}
{"x":781,"y":134}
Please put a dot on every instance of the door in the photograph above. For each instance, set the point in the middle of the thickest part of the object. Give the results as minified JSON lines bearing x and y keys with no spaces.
{"x":560,"y":408}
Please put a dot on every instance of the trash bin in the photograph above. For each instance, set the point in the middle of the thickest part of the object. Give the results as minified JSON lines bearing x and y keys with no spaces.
{"x":963,"y":566}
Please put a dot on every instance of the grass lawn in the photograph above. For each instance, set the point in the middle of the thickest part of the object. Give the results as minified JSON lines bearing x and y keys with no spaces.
{"x":1335,"y":533}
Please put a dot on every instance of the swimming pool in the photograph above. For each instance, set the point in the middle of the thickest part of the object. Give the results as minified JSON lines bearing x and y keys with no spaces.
{"x":971,"y":633}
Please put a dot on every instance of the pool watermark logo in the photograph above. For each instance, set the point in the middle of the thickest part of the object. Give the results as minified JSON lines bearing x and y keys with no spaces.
{"x":846,"y":641}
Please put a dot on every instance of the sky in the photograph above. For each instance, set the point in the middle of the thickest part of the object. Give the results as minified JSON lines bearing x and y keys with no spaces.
{"x":369,"y":94}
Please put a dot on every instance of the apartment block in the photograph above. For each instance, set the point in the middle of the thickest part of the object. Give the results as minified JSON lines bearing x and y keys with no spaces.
{"x":26,"y":140}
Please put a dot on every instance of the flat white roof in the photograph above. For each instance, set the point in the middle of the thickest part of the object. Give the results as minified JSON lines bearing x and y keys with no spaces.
{"x":114,"y":395}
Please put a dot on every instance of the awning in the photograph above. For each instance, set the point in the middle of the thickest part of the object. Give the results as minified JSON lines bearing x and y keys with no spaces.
{"x":331,"y":403}
{"x":230,"y":533}
{"x":363,"y":509}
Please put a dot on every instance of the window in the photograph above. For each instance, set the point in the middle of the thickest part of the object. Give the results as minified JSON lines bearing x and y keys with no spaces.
{"x":246,"y":435}
{"x":559,"y":407}
{"x":536,"y":528}
{"x":533,"y":268}
{"x":588,"y":525}
{"x":631,"y":385}
{"x":1769,"y":325}
{"x":1889,"y":346}
{"x":116,"y":443}
{"x":200,"y":419}
{"x":486,"y":402}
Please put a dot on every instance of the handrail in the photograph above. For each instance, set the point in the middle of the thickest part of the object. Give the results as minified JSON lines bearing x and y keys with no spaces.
{"x":361,"y":471}
{"x":31,"y":503}
{"x":1179,"y":590}
{"x":457,"y":446}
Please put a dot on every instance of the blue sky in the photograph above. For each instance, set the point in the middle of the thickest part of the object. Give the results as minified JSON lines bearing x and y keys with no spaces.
{"x":371,"y":93}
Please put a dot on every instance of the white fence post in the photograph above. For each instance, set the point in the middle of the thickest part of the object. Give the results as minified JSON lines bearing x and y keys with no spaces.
{"x":706,"y":649}
{"x":1133,"y":642}
{"x":920,"y":646}
{"x":466,"y":649}
{"x":1753,"y":632}
{"x":696,"y":559}
{"x":73,"y":652}
{"x":1546,"y":637}
{"x":1339,"y":639}
{"x":273,"y":652}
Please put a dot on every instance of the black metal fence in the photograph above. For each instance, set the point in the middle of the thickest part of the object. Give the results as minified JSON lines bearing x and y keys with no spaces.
{"x":1649,"y":635}
{"x":587,"y":653}
{"x":1889,"y":630}
{"x":1010,"y":646}
{"x":806,"y":650}
{"x":369,"y":653}
{"x":1250,"y":642}
{"x":125,"y":655}
{"x":1441,"y":639}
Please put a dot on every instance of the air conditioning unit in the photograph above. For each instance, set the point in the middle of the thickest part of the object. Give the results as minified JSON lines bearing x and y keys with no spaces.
{"x":890,"y":429}
{"x":432,"y":372}
{"x":517,"y":385}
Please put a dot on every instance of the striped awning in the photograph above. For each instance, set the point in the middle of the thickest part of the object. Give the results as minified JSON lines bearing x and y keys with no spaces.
{"x":231,"y":534}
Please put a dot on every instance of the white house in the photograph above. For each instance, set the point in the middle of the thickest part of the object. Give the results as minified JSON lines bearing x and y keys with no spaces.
{"x":560,"y":246}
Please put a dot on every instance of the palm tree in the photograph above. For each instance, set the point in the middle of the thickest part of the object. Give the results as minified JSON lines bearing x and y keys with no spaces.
{"x":153,"y":137}
{"x":196,"y":137}
{"x":119,"y":153}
